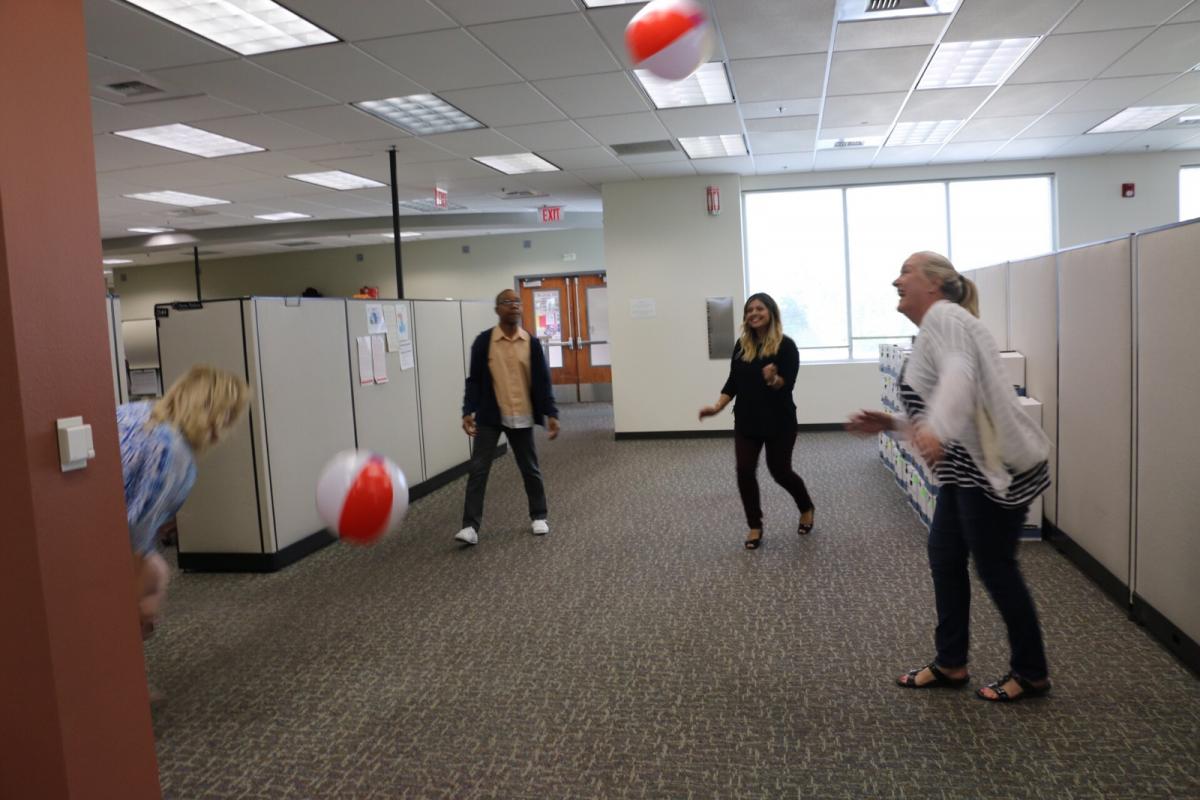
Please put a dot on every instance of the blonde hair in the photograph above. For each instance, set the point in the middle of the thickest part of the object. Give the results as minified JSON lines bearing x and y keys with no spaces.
{"x":956,"y":288}
{"x":203,"y":405}
{"x":752,"y":346}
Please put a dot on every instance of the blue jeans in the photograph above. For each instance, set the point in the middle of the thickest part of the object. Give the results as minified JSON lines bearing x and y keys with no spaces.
{"x":967,"y":523}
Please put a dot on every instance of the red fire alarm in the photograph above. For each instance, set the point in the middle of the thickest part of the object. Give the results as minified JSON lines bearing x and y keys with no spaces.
{"x":714,"y":200}
{"x":1126,"y":190}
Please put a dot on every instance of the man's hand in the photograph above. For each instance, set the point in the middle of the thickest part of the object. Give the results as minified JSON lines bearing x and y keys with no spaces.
{"x":869,"y":422}
{"x":551,"y":427}
{"x":469,"y":425}
{"x":927,"y":444}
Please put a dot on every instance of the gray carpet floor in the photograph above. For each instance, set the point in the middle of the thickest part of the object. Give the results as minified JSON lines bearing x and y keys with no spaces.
{"x":639,"y":651}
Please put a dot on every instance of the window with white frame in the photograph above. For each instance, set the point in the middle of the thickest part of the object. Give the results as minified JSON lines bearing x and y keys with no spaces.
{"x":1189,"y":193}
{"x":829,"y":256}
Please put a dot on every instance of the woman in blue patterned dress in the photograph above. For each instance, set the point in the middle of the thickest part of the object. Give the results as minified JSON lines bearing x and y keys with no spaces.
{"x":159,"y":445}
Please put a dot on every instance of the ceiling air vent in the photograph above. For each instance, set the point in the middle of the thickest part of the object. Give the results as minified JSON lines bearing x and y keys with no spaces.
{"x":520,"y":194}
{"x":643,"y":148}
{"x":875,"y":6}
{"x":428,"y":205}
{"x":132,"y":88}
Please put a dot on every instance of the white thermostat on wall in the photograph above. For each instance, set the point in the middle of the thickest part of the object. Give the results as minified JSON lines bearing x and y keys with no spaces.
{"x":74,"y":443}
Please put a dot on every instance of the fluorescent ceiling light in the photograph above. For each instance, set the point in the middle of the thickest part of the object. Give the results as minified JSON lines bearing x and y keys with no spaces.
{"x":928,"y":132}
{"x":517,"y":163}
{"x":150,"y":230}
{"x":1138,"y":118}
{"x":707,"y":86}
{"x":849,"y":144}
{"x":730,"y":144}
{"x":1190,"y":119}
{"x":187,"y":139}
{"x":984,"y":63}
{"x":114,"y":261}
{"x":600,"y":3}
{"x":336,"y":179}
{"x":420,"y":114}
{"x":403,"y":235}
{"x":248,"y":27}
{"x":177,"y":199}
{"x":280,"y":216}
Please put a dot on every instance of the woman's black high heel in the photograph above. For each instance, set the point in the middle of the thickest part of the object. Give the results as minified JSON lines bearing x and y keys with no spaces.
{"x":752,"y":544}
{"x":805,"y":528}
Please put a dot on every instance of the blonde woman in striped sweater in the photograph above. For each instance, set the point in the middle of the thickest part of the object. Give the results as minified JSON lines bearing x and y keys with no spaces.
{"x":964,"y":418}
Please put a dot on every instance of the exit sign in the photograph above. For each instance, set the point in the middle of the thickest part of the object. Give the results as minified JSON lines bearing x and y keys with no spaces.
{"x":551,"y":213}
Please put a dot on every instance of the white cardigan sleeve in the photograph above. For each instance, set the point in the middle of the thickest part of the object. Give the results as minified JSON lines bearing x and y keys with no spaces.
{"x":951,"y":409}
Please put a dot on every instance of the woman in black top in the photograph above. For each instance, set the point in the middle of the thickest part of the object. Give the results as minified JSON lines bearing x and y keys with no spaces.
{"x":762,"y":374}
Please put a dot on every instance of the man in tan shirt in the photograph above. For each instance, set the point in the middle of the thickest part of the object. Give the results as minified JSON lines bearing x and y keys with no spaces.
{"x":508,"y":391}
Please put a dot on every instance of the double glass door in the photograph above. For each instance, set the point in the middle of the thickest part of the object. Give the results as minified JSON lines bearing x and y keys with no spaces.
{"x":569,"y":315}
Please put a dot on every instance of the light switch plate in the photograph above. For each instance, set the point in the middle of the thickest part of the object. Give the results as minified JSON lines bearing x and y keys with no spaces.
{"x":74,"y":443}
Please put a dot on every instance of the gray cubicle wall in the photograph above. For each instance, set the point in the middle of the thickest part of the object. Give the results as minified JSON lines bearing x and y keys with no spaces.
{"x":438,"y":329}
{"x":1167,"y":552}
{"x":992,"y":283}
{"x":222,"y":514}
{"x":1095,"y":401}
{"x":477,"y":316}
{"x":1033,"y":332}
{"x":116,"y":349}
{"x":387,"y":416}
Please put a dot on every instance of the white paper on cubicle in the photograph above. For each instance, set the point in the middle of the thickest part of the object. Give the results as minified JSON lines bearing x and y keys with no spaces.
{"x":389,"y":318}
{"x":376,"y":323}
{"x":403,"y":324}
{"x":406,"y":356}
{"x":366,"y":371}
{"x":379,"y":359}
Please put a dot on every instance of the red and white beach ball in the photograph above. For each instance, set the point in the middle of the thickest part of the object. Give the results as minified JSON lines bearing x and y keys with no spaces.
{"x":671,"y":38}
{"x":361,"y":496}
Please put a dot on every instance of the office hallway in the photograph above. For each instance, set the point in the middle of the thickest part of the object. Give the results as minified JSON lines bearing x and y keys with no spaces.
{"x":639,"y":651}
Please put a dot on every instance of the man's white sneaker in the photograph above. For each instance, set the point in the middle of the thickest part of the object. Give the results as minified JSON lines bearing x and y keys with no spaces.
{"x":540,"y":527}
{"x":467,"y":536}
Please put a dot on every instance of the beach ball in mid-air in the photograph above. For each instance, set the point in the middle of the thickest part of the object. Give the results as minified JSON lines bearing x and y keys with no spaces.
{"x":671,"y":38}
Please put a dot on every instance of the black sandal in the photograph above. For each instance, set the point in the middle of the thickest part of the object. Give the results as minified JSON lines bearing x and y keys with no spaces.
{"x":752,"y":544}
{"x":805,"y":528}
{"x":1027,"y":690}
{"x":940,"y":679}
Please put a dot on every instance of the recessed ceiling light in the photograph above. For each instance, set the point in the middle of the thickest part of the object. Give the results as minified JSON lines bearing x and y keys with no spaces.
{"x":707,"y":86}
{"x":928,"y":132}
{"x":420,"y":114}
{"x":177,"y":199}
{"x":187,"y":139}
{"x":730,"y":144}
{"x":247,"y":27}
{"x":150,"y":230}
{"x":984,"y":63}
{"x":517,"y":163}
{"x":403,"y":235}
{"x":336,"y":179}
{"x":115,"y":261}
{"x":601,"y":3}
{"x":1190,"y":119}
{"x":849,"y":144}
{"x":1138,"y":118}
{"x":282,"y":215}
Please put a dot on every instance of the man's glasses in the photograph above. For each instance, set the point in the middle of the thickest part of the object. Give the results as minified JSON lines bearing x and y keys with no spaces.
{"x":508,"y":303}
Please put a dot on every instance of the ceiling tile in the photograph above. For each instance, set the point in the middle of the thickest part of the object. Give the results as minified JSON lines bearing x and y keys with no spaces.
{"x":474,"y":143}
{"x":115,"y":152}
{"x":1157,"y":140}
{"x":442,"y":60}
{"x":854,"y":132}
{"x":1076,"y":56}
{"x":1091,"y":145}
{"x":767,"y":79}
{"x":548,"y":47}
{"x":1031,"y":148}
{"x":894,"y":32}
{"x":448,"y":170}
{"x":776,"y":28}
{"x":623,"y":128}
{"x":263,"y":131}
{"x":244,"y":83}
{"x":372,"y":19}
{"x":340,"y":71}
{"x":1189,"y":14}
{"x":273,"y":163}
{"x":257,"y":191}
{"x":510,"y":104}
{"x":1171,"y":48}
{"x":198,"y":173}
{"x":473,"y":12}
{"x":1067,"y":124}
{"x":669,"y":169}
{"x":791,"y":162}
{"x":766,"y":144}
{"x":187,"y":109}
{"x":967,"y":151}
{"x":560,"y":135}
{"x":992,"y":129}
{"x":844,"y":159}
{"x":1011,"y":19}
{"x":934,"y":104}
{"x":782,"y":124}
{"x":702,"y":120}
{"x":602,"y":175}
{"x":1184,"y":89}
{"x":789,"y":107}
{"x":1103,"y":15}
{"x":903,"y":156}
{"x":1115,"y":93}
{"x":894,"y":69}
{"x":143,"y":41}
{"x":108,"y":117}
{"x":729,"y":165}
{"x":611,"y":21}
{"x":594,"y":95}
{"x":1033,"y":98}
{"x":340,"y":123}
{"x":581,"y":158}
{"x":861,"y":109}
{"x":654,"y":158}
